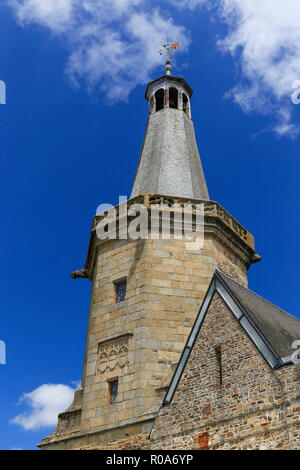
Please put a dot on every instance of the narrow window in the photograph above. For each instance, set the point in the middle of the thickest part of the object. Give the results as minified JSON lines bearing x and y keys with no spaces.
{"x":159,"y":99}
{"x":120,"y":291}
{"x":113,"y":391}
{"x":152,"y":104}
{"x":173,"y":98}
{"x":219,"y":363}
{"x":185,"y":103}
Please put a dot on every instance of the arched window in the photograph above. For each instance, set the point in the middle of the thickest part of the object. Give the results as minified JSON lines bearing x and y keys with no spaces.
{"x":185,"y":103}
{"x":173,"y":98}
{"x":159,"y":99}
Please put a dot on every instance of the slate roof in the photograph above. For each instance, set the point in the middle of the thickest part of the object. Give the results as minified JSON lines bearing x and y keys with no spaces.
{"x":278,"y":327}
{"x":271,"y":329}
{"x":169,"y":162}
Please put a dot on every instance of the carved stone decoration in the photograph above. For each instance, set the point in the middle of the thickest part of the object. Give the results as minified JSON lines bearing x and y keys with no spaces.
{"x":161,"y":201}
{"x":113,"y":354}
{"x":80,"y":274}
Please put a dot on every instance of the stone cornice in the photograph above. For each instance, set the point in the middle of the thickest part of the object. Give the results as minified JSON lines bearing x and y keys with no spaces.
{"x":170,"y":79}
{"x":216,"y":219}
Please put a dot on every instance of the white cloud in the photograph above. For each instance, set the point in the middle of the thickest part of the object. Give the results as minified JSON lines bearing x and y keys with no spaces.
{"x":188,"y":4}
{"x":284,"y":125}
{"x":264,"y":38}
{"x":119,"y":60}
{"x":56,"y":15}
{"x":112,"y":43}
{"x":44,"y":404}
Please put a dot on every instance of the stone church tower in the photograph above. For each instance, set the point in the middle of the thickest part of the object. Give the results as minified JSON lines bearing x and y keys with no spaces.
{"x":146,"y":293}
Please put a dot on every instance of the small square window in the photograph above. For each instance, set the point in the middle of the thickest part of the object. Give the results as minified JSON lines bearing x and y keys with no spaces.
{"x":120,"y":291}
{"x":113,"y":391}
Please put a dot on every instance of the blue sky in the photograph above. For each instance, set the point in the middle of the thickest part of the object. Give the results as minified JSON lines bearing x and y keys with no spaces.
{"x":70,"y":136}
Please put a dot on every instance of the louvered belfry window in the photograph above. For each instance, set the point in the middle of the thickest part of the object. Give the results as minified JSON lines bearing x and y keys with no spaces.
{"x":120,"y":291}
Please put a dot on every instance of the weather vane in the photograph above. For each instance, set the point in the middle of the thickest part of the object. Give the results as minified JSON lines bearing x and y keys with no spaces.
{"x":167,"y":48}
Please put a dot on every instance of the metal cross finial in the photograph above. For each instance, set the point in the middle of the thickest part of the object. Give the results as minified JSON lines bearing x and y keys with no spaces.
{"x":165,"y":49}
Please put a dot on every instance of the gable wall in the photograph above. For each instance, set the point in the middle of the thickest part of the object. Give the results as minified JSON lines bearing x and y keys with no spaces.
{"x":253,"y":408}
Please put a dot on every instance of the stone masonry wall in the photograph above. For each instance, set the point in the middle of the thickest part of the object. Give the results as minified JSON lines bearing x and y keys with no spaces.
{"x":165,"y":288}
{"x":253,"y":408}
{"x":139,"y":340}
{"x":135,"y":442}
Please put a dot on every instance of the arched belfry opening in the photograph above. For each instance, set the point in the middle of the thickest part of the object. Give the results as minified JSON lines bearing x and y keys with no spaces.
{"x":159,"y":99}
{"x":173,"y":98}
{"x":186,"y":105}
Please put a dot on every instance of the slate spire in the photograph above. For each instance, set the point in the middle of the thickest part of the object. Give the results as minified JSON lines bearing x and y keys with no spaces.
{"x":169,"y":162}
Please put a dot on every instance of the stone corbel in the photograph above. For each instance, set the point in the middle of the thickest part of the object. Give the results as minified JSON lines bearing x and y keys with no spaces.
{"x":80,"y":274}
